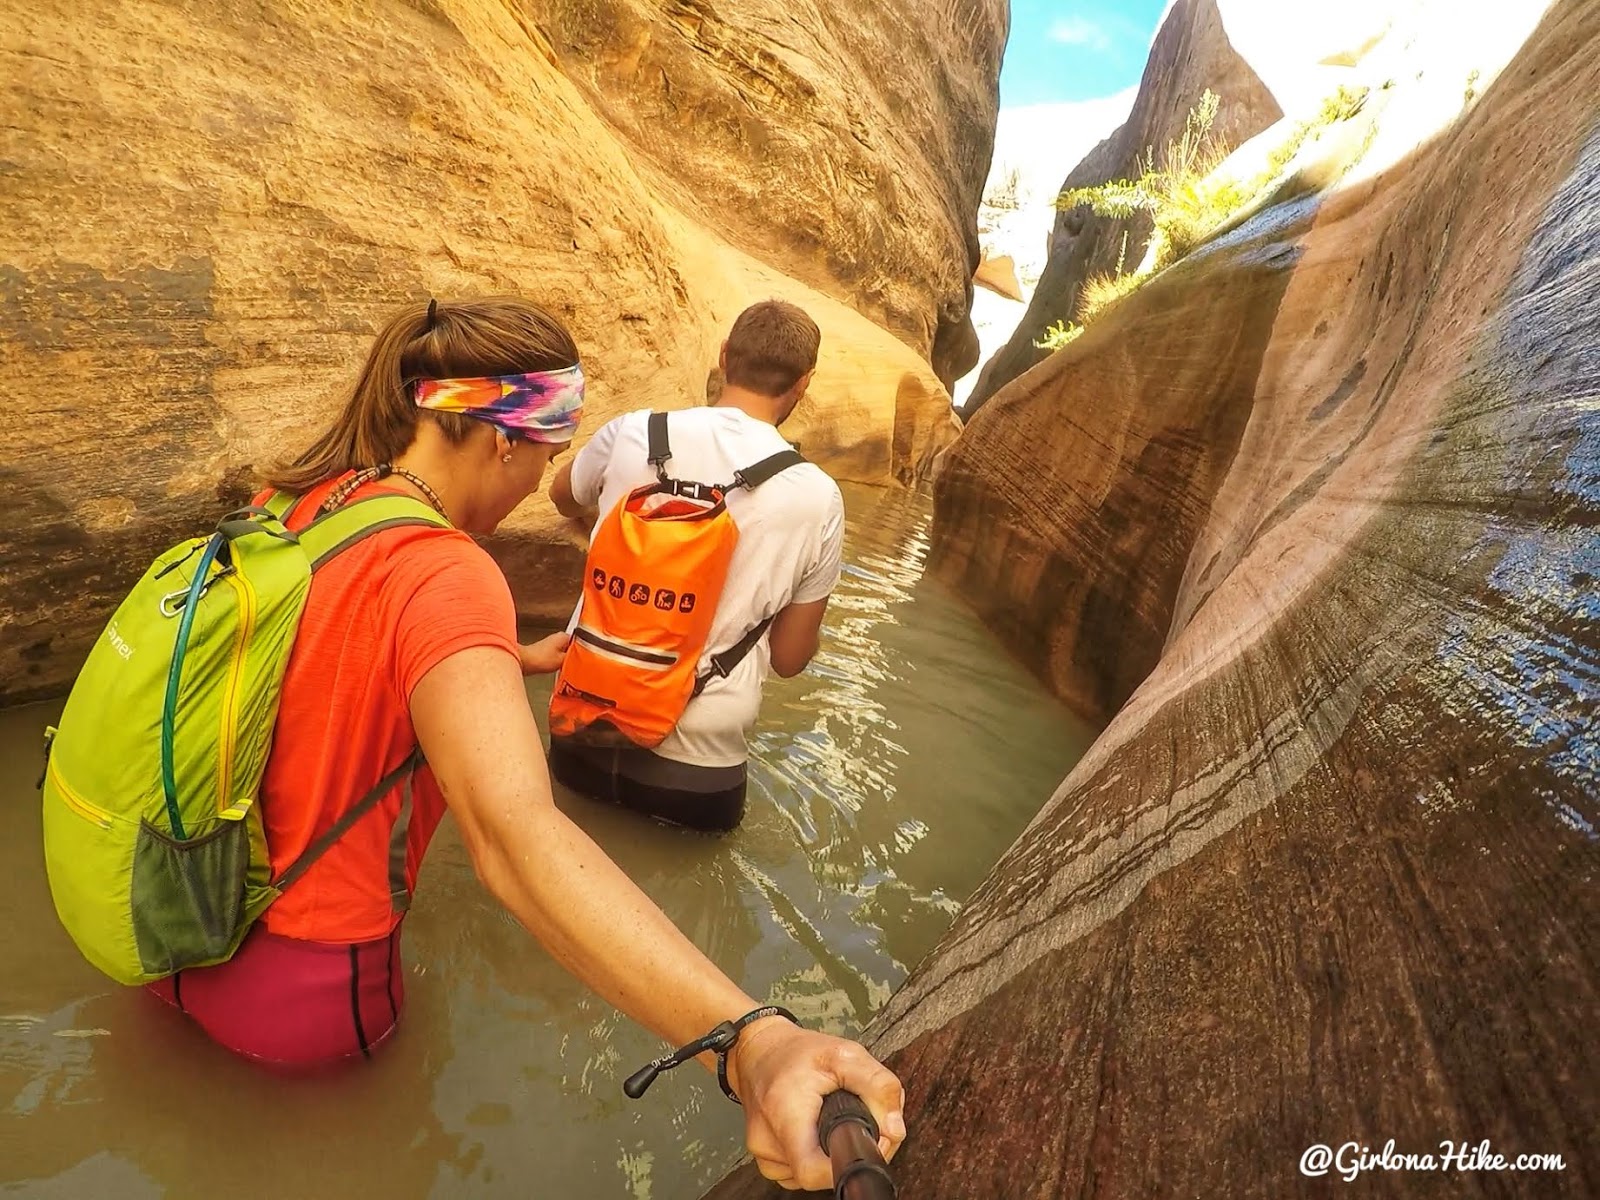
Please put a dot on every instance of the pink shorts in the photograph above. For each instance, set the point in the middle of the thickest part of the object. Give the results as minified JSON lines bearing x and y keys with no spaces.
{"x":295,"y":1003}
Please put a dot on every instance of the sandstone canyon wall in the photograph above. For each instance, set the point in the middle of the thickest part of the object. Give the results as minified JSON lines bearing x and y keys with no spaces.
{"x":1310,"y":519}
{"x":805,"y":140}
{"x":1191,"y":54}
{"x":209,"y":208}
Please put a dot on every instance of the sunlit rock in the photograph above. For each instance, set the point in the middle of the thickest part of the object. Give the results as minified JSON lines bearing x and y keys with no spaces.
{"x":208,"y":210}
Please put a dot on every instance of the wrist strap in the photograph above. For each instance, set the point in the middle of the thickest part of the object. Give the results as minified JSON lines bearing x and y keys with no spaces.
{"x":720,"y":1040}
{"x":770,"y":1010}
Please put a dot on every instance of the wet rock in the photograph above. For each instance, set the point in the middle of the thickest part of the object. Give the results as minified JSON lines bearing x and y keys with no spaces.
{"x":200,"y":245}
{"x":1310,"y":520}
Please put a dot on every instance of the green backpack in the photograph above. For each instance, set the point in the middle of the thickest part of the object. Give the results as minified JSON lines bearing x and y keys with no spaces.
{"x":153,"y":839}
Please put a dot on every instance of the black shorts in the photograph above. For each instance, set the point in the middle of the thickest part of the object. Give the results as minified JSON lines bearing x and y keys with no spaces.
{"x":705,"y":798}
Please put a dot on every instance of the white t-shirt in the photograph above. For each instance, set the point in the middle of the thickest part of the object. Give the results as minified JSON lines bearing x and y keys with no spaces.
{"x":791,"y":533}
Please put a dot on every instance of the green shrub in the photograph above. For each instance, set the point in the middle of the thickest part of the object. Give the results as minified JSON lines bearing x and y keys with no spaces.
{"x":1181,"y":194}
{"x":1100,"y":292}
{"x":1341,"y":106}
{"x":1058,"y":335}
{"x":1185,"y":198}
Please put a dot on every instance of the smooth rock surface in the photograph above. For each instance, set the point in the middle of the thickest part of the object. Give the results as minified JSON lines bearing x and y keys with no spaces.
{"x":845,"y":145}
{"x":1311,"y":518}
{"x":209,"y":209}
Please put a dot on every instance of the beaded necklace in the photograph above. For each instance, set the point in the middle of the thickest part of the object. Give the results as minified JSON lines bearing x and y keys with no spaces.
{"x":382,"y":471}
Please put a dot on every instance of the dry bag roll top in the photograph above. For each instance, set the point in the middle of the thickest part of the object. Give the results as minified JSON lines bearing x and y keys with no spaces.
{"x":653,"y":577}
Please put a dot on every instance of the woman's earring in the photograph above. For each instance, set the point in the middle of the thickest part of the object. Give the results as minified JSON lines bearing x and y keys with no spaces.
{"x":505,"y":457}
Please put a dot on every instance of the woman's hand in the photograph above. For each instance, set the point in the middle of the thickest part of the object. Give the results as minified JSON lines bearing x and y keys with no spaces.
{"x":781,"y":1072}
{"x":545,"y":656}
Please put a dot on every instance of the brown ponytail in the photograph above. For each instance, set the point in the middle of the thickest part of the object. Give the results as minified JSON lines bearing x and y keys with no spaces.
{"x":495,"y":336}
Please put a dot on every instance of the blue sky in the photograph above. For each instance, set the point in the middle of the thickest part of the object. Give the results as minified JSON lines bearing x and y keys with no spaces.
{"x":1075,"y":49}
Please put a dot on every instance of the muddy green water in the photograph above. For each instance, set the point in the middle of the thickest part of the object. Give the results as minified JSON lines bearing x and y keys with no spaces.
{"x":885,"y":782}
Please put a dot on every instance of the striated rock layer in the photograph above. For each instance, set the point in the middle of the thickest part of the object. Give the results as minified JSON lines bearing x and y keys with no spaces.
{"x":209,"y":209}
{"x":1311,"y":518}
{"x":788,"y":133}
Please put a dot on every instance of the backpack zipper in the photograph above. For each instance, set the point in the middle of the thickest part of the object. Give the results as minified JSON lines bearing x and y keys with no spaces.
{"x":83,"y":808}
{"x":230,"y":699}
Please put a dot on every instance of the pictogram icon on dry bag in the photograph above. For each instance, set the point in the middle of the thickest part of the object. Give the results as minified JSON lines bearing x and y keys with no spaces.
{"x":633,"y":665}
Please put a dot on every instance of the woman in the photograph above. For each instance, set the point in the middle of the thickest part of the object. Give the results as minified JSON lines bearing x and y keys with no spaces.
{"x":409,"y":640}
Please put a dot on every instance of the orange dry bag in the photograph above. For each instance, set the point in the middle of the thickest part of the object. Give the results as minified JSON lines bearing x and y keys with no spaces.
{"x":651,"y":583}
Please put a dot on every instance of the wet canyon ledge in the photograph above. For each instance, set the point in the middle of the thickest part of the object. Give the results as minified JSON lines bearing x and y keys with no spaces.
{"x":1312,"y":517}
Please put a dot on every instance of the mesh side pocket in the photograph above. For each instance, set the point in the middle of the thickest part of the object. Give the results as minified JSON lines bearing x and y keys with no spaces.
{"x":188,"y":896}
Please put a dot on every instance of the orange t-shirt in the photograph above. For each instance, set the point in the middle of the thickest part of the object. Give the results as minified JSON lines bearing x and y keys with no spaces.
{"x":377,"y":619}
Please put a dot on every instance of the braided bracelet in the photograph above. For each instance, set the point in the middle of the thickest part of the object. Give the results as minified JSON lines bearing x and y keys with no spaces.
{"x":719,"y":1041}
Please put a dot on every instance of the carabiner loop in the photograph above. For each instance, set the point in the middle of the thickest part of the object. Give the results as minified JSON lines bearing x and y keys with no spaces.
{"x":172,"y":603}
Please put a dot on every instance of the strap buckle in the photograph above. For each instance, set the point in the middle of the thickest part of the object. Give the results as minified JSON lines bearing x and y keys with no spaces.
{"x":703,"y":492}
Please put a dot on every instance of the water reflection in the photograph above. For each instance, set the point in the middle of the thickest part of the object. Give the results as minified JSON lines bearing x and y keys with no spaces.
{"x":886,"y":780}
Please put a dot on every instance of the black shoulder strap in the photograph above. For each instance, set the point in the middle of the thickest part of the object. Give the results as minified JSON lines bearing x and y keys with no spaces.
{"x":660,"y":450}
{"x":722,"y":664}
{"x":754,"y":477}
{"x":353,"y":814}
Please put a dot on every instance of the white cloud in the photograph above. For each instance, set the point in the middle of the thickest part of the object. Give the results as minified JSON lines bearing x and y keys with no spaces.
{"x":1080,"y":31}
{"x":1043,"y":142}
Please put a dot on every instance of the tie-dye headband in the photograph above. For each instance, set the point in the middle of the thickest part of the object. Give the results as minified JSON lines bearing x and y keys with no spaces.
{"x":544,"y":406}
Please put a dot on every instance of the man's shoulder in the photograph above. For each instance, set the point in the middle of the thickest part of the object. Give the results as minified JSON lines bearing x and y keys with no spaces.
{"x":819,"y":483}
{"x":804,"y":496}
{"x":635,"y":424}
{"x":624,"y":427}
{"x":637,"y":419}
{"x":814,"y":475}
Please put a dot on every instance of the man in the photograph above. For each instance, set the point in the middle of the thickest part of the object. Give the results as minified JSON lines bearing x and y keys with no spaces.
{"x":784,"y":566}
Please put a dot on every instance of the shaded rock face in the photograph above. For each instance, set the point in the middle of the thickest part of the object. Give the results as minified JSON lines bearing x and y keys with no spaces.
{"x":200,"y":246}
{"x":1329,"y":874}
{"x":1191,"y":53}
{"x":787,"y":133}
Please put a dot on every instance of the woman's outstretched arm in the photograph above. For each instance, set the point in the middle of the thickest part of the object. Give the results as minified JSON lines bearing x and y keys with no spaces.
{"x":473,"y":722}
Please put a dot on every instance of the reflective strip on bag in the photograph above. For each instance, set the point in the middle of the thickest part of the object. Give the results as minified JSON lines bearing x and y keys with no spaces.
{"x":630,"y":655}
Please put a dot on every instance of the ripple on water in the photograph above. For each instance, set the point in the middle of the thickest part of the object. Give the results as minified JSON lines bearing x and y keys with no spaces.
{"x":885,"y":780}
